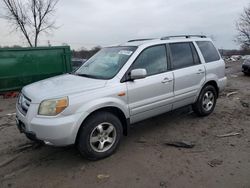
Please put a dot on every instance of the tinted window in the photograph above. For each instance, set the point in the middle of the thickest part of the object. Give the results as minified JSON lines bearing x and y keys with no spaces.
{"x":208,"y":51}
{"x":181,"y":55}
{"x":152,"y":59}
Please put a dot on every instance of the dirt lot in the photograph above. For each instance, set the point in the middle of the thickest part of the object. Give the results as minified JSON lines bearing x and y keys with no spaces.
{"x":143,"y":160}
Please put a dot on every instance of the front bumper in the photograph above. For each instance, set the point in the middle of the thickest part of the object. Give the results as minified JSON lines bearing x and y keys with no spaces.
{"x":32,"y":136}
{"x":58,"y":131}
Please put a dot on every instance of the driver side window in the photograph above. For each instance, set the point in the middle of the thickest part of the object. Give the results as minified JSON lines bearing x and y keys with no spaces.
{"x":153,"y":59}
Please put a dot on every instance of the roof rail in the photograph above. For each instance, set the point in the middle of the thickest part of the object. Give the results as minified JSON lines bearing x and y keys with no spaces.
{"x":185,"y":36}
{"x":135,"y":40}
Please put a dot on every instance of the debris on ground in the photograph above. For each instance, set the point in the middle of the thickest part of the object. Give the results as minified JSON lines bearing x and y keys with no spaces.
{"x":6,"y":125}
{"x":29,"y":145}
{"x":12,"y":94}
{"x":103,"y":176}
{"x":204,"y":133}
{"x":83,"y":168}
{"x":24,"y":147}
{"x":232,"y":93}
{"x":215,"y":162}
{"x":180,"y":144}
{"x":244,"y":104}
{"x":37,"y":145}
{"x":229,"y":134}
{"x":141,"y":140}
{"x":16,"y":173}
{"x":233,"y":76}
{"x":8,"y":161}
{"x":11,"y":114}
{"x":163,"y":184}
{"x":9,"y":176}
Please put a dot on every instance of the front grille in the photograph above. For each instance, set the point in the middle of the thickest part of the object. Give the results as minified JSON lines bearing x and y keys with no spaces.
{"x":23,"y":104}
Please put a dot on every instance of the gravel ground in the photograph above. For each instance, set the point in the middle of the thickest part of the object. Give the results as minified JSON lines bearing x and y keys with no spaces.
{"x":144,"y":159}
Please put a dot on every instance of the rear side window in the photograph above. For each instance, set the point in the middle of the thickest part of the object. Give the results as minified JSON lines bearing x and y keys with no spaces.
{"x":208,"y":51}
{"x":153,"y":59}
{"x":182,"y":55}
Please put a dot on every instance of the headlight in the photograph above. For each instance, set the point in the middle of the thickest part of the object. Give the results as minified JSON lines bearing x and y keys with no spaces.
{"x":53,"y":107}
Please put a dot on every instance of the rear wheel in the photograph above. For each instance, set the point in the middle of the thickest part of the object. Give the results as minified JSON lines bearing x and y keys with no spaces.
{"x":100,"y":136}
{"x":206,"y":101}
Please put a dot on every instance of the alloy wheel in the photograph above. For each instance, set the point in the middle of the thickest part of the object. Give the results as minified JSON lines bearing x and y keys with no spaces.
{"x":208,"y":101}
{"x":103,"y":137}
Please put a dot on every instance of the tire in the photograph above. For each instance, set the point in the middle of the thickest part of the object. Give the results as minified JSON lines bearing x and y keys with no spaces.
{"x":206,"y":101}
{"x":100,"y":136}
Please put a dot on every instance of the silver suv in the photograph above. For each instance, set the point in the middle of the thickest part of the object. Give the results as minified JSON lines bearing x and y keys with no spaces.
{"x":121,"y":85}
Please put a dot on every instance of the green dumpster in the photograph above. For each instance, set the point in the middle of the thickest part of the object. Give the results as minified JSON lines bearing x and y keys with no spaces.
{"x":22,"y":66}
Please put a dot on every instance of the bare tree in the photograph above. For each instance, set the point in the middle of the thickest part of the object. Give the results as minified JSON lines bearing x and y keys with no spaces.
{"x":31,"y":17}
{"x":243,"y":28}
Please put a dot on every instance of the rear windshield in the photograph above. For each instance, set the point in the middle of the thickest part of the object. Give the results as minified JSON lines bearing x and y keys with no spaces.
{"x":208,"y":51}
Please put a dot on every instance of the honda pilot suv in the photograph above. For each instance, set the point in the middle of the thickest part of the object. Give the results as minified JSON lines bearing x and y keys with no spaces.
{"x":119,"y":86}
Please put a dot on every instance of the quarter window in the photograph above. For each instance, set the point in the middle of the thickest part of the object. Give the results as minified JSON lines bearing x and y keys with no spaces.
{"x":153,"y":59}
{"x":195,"y":55}
{"x":182,"y":55}
{"x":208,"y":51}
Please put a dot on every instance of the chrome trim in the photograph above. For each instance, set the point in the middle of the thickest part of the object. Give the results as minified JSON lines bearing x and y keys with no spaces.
{"x":23,"y":104}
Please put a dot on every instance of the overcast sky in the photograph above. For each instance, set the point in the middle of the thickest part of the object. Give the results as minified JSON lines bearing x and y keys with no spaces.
{"x":87,"y":23}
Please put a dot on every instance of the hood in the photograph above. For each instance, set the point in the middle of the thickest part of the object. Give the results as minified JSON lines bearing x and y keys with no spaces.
{"x":60,"y":86}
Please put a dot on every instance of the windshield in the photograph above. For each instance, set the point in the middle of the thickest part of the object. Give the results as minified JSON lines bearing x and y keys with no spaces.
{"x":106,"y":63}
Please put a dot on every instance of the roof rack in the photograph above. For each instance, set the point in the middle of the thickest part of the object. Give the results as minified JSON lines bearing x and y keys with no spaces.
{"x":135,"y":40}
{"x":185,"y":36}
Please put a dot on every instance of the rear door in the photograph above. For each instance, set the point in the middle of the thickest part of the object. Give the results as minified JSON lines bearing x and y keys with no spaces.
{"x":189,"y":73}
{"x":215,"y":66}
{"x":154,"y":94}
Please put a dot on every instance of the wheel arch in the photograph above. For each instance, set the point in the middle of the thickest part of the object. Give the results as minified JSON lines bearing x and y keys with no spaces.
{"x":112,"y":109}
{"x":209,"y":82}
{"x":214,"y":84}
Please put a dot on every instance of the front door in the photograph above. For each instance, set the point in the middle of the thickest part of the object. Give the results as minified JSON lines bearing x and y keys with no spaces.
{"x":152,"y":95}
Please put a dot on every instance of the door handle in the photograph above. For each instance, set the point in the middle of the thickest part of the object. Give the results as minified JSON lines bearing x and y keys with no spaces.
{"x":200,"y":71}
{"x":166,"y":80}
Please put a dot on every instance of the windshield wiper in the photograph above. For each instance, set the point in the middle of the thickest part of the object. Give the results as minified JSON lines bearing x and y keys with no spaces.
{"x":86,"y":75}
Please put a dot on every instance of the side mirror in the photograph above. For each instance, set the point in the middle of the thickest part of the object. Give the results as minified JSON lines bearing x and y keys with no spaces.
{"x":138,"y":74}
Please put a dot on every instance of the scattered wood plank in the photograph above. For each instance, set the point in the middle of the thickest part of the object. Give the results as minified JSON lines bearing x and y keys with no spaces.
{"x":180,"y":144}
{"x":215,"y":162}
{"x":103,"y":176}
{"x":11,"y":114}
{"x":228,"y":134}
{"x":7,"y":125}
{"x":232,"y":93}
{"x":8,"y":161}
{"x":244,"y":104}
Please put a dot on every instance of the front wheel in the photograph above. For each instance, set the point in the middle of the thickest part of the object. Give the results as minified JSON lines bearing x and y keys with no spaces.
{"x":206,"y":101}
{"x":100,"y":136}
